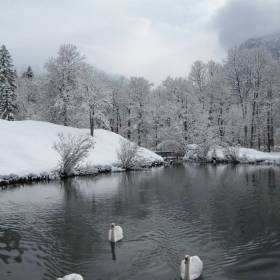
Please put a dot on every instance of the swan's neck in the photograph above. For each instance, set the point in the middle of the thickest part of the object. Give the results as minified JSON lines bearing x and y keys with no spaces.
{"x":187,"y":271}
{"x":113,"y":235}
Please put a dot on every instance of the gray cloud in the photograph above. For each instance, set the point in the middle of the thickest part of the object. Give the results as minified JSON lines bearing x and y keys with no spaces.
{"x":239,"y":20}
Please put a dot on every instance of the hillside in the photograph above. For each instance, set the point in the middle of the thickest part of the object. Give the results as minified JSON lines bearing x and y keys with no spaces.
{"x":269,"y":42}
{"x":26,"y":147}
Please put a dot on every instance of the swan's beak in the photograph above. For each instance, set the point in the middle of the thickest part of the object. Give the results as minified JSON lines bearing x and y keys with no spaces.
{"x":186,"y":260}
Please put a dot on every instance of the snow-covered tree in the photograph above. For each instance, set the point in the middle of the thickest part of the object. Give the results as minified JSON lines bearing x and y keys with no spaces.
{"x":248,"y":73}
{"x":218,"y":100}
{"x":273,"y":108}
{"x":237,"y":67}
{"x":28,"y":97}
{"x":28,"y":73}
{"x":95,"y":98}
{"x":118,"y":89}
{"x":7,"y":86}
{"x":156,"y":117}
{"x":135,"y":103}
{"x":63,"y":75}
{"x":176,"y":115}
{"x":198,"y":79}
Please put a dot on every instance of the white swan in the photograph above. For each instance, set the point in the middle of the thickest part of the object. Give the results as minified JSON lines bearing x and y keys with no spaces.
{"x":72,"y":276}
{"x":115,"y":233}
{"x":191,"y":267}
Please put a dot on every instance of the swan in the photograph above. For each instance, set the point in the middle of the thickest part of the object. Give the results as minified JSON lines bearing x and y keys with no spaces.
{"x":115,"y":233}
{"x":191,"y":267}
{"x":72,"y":276}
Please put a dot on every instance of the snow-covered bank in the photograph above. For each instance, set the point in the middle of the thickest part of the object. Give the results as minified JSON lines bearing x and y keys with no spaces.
{"x":26,"y":148}
{"x":232,"y":154}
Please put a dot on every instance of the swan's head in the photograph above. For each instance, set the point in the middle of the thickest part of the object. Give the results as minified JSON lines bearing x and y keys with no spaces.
{"x":187,"y":258}
{"x":112,"y":226}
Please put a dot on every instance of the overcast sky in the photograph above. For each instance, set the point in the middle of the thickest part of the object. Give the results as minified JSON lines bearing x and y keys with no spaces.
{"x":148,"y":38}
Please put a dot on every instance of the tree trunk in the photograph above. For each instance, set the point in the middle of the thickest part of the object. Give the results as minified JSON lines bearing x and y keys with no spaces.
{"x":117,"y":125}
{"x":139,"y":135}
{"x":271,"y":132}
{"x":91,"y":122}
{"x":253,"y":130}
{"x":156,"y":135}
{"x":64,"y":114}
{"x":268,"y":132}
{"x":128,"y":126}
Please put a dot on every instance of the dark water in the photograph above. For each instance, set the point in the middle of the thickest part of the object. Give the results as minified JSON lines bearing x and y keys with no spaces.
{"x":227,"y":215}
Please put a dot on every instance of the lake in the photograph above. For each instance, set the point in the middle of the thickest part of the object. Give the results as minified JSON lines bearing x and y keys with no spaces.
{"x":228,"y":215}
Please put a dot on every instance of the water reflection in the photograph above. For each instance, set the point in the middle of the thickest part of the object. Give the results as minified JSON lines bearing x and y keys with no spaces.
{"x":10,"y":251}
{"x":226,"y":214}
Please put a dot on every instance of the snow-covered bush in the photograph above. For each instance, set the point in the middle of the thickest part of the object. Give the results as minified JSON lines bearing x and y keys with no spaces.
{"x":244,"y":158}
{"x":231,"y":153}
{"x":200,"y":152}
{"x":191,"y":153}
{"x":128,"y":154}
{"x":203,"y":149}
{"x":85,"y":169}
{"x":204,"y":152}
{"x":73,"y":149}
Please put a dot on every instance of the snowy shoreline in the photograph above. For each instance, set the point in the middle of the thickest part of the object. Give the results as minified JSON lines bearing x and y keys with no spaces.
{"x":237,"y":155}
{"x":26,"y":152}
{"x":13,"y":179}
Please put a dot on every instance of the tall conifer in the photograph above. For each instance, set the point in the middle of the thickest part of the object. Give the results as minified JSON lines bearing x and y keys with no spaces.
{"x":7,"y":86}
{"x":28,"y":73}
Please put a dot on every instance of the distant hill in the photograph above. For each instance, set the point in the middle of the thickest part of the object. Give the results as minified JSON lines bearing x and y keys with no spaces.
{"x":269,"y":42}
{"x":114,"y":77}
{"x":39,"y":69}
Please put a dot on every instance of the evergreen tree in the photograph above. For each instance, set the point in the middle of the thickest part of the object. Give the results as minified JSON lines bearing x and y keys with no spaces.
{"x":28,"y":73}
{"x":7,"y":86}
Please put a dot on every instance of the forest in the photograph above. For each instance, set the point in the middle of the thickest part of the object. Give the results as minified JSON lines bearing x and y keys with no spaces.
{"x":235,"y":102}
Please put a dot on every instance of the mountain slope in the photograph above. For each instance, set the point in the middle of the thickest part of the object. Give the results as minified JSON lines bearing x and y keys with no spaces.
{"x":269,"y":42}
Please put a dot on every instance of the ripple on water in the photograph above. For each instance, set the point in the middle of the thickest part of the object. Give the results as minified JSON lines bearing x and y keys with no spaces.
{"x":164,"y":214}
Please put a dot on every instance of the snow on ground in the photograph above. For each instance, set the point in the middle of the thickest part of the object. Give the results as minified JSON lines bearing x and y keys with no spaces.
{"x":252,"y":155}
{"x":244,"y":154}
{"x":257,"y":155}
{"x":26,"y":147}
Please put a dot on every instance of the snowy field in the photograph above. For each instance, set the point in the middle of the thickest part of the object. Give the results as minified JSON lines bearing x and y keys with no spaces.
{"x":26,"y":147}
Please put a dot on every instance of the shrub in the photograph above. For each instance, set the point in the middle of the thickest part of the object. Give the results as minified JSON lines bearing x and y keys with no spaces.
{"x":128,"y":154}
{"x":231,"y":153}
{"x":73,"y":149}
{"x":203,"y":149}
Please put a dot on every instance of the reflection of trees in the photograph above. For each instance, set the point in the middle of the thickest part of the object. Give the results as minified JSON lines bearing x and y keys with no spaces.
{"x":230,"y":202}
{"x":272,"y":179}
{"x":134,"y":198}
{"x":72,"y":230}
{"x":236,"y":199}
{"x":12,"y":251}
{"x":81,"y":226}
{"x":193,"y":205}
